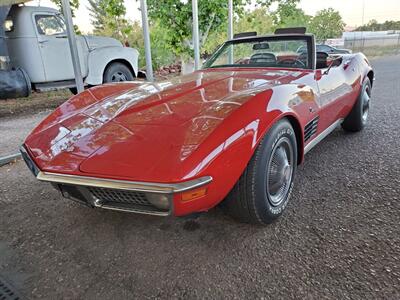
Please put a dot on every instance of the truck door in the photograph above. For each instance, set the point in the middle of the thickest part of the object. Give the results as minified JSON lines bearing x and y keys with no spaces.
{"x":54,"y":47}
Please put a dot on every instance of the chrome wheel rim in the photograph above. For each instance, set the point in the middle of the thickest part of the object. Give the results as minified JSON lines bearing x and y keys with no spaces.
{"x":280,"y":172}
{"x":118,"y":77}
{"x":365,"y":104}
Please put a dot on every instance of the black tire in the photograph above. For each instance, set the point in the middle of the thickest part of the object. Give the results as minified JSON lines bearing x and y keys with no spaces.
{"x":73,"y":90}
{"x":117,"y":72}
{"x":358,"y":116}
{"x":251,"y":200}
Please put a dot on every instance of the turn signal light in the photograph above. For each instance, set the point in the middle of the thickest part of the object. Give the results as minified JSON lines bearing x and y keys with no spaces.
{"x":193,"y":194}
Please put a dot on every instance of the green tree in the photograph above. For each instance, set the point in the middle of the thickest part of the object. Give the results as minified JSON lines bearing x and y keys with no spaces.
{"x":289,"y":15}
{"x":176,"y":15}
{"x":160,"y":44}
{"x":97,"y":16}
{"x":74,"y":6}
{"x":373,"y":25}
{"x":258,"y":20}
{"x":327,"y":23}
{"x":73,"y":3}
{"x":108,"y":18}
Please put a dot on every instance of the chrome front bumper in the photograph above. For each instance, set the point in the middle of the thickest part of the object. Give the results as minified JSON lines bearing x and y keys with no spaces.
{"x":121,"y":195}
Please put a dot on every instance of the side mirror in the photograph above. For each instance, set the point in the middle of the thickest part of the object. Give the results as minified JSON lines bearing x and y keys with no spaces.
{"x":333,"y":62}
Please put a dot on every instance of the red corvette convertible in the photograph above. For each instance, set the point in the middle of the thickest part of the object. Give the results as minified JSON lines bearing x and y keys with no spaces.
{"x":231,"y":133}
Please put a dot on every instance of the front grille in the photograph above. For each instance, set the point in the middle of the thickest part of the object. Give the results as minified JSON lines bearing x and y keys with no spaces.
{"x":119,"y":196}
{"x":7,"y":292}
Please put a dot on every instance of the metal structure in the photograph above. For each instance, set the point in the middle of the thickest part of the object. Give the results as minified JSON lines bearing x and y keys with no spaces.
{"x":230,"y":29}
{"x":230,"y":19}
{"x":72,"y":45}
{"x":146,"y":36}
{"x":196,"y":34}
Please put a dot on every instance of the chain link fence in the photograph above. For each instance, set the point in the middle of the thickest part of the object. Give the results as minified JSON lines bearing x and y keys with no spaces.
{"x":373,"y":45}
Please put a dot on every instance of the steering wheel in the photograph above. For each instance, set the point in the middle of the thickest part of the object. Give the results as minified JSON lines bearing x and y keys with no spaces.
{"x":292,"y":62}
{"x":263,"y":57}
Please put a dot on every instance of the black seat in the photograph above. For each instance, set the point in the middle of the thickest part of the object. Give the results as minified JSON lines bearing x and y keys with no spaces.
{"x":263,"y":57}
{"x":322,"y":60}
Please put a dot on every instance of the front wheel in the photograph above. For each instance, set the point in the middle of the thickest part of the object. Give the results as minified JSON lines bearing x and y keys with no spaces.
{"x":263,"y":191}
{"x":117,"y":72}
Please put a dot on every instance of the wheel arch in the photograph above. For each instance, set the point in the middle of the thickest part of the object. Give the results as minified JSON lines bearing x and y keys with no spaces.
{"x":99,"y":59}
{"x":299,"y":136}
{"x":122,"y":61}
{"x":295,"y":123}
{"x":371,"y":77}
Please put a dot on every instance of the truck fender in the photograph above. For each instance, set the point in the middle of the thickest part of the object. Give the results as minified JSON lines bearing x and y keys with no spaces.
{"x":100,"y":58}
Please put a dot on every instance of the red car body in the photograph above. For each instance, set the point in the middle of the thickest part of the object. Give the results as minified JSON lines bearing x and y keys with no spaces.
{"x":205,"y":125}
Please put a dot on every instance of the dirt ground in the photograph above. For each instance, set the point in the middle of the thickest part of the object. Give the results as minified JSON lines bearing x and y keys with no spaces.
{"x":338,"y":239}
{"x":36,"y":102}
{"x":14,"y":130}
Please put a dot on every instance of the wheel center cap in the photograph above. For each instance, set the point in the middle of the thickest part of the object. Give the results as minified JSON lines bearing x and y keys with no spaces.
{"x":286,"y":172}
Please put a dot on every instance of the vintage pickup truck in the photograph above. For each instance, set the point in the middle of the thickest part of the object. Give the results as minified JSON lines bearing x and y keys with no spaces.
{"x":37,"y":42}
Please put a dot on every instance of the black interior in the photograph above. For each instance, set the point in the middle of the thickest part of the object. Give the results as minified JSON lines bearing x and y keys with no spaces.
{"x":322,"y":60}
{"x":263,"y":57}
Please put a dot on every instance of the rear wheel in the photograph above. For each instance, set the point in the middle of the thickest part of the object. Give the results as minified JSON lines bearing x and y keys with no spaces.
{"x":358,"y":116}
{"x":117,"y":72}
{"x":263,"y":191}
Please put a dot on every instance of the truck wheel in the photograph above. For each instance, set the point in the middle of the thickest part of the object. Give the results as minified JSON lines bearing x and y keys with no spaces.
{"x":358,"y":116}
{"x":117,"y":72}
{"x":262,"y":193}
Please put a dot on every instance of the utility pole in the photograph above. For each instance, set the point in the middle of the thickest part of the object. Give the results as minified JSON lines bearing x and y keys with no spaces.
{"x":362,"y":24}
{"x":196,"y":35}
{"x":230,"y":30}
{"x":230,"y":19}
{"x":72,"y":45}
{"x":146,"y":37}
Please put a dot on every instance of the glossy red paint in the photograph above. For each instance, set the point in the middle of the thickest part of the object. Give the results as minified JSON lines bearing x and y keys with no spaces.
{"x":204,"y":124}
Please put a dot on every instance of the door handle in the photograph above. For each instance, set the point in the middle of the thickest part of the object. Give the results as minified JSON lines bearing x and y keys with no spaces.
{"x":43,"y":41}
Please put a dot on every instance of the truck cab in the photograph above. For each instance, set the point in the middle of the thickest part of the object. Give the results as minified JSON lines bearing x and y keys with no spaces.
{"x":37,"y":42}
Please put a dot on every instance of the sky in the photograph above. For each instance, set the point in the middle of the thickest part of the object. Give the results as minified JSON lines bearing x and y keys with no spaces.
{"x":351,"y":10}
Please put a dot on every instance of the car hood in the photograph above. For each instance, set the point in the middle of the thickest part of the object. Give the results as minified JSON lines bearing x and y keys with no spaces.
{"x":145,"y":133}
{"x":95,"y":42}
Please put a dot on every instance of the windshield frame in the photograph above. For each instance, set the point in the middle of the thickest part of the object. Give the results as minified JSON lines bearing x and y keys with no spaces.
{"x":311,"y":57}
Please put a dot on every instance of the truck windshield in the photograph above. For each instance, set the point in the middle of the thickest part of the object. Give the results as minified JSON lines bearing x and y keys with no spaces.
{"x":262,"y":52}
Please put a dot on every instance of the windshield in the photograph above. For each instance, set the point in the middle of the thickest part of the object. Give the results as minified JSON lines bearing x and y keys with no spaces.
{"x":284,"y":52}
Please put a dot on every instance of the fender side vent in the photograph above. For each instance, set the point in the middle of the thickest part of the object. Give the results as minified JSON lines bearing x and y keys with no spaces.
{"x":310,"y":129}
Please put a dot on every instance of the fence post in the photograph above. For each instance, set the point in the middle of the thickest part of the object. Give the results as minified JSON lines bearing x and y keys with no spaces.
{"x":398,"y":42}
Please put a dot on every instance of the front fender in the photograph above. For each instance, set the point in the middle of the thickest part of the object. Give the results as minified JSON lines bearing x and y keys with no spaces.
{"x":99,"y":59}
{"x":225,"y":154}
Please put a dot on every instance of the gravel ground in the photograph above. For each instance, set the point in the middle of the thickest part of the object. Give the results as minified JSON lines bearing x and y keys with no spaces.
{"x":15,"y":129}
{"x":339,"y":238}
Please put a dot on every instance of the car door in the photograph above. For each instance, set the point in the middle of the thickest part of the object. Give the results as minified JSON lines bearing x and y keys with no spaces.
{"x":54,"y":48}
{"x":334,"y":93}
